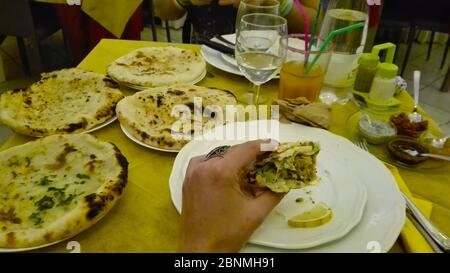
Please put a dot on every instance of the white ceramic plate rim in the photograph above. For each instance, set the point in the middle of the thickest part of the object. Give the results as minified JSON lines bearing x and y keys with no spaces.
{"x":210,"y":54}
{"x":358,"y":240}
{"x":11,"y":250}
{"x":137,"y":141}
{"x":102,"y":125}
{"x":95,"y":128}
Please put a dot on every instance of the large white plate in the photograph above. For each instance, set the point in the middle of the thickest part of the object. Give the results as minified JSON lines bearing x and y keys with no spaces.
{"x":344,"y":194}
{"x":140,"y":87}
{"x":228,"y":63}
{"x":214,"y":58}
{"x":384,"y":213}
{"x":130,"y":136}
{"x":12,"y":250}
{"x":100,"y":126}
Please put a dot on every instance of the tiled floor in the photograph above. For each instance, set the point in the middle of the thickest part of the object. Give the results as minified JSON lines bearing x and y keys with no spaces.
{"x":436,"y":103}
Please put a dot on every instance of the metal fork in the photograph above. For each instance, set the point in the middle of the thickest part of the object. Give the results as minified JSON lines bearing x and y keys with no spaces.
{"x":438,"y":241}
{"x":362,"y":143}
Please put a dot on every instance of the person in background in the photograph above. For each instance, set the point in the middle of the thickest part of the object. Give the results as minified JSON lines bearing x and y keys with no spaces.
{"x":217,"y":17}
{"x":220,"y":210}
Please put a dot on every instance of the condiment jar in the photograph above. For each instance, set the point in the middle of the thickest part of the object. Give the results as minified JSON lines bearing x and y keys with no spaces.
{"x":366,"y":72}
{"x":383,"y":86}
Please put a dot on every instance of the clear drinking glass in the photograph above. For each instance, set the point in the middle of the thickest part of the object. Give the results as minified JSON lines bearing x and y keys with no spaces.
{"x":294,"y":81}
{"x":261,"y":48}
{"x":349,"y":45}
{"x":256,"y":6}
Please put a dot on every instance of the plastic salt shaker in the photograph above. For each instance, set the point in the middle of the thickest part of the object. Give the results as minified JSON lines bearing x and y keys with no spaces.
{"x":383,"y":86}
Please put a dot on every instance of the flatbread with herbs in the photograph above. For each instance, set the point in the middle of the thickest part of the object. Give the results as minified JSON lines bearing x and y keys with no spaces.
{"x":55,"y":187}
{"x":65,"y":101}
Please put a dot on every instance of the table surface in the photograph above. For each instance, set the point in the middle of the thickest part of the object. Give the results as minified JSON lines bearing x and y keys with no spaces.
{"x":144,"y":219}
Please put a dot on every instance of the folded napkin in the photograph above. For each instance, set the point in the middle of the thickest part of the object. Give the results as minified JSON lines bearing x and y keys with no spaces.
{"x":303,"y":111}
{"x":412,"y":239}
{"x":111,"y":14}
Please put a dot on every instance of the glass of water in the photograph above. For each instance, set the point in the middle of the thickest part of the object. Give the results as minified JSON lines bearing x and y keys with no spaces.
{"x":261,"y":48}
{"x":256,"y":6}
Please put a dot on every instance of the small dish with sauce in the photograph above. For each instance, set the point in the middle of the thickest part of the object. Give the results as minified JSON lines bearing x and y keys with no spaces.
{"x":376,"y":131}
{"x":398,"y":150}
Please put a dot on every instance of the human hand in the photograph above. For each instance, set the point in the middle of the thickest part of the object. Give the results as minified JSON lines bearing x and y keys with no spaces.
{"x":220,"y":210}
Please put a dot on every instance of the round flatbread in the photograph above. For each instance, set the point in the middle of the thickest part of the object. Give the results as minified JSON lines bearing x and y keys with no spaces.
{"x":57,"y":186}
{"x":158,"y":66}
{"x":65,"y":101}
{"x":148,"y":115}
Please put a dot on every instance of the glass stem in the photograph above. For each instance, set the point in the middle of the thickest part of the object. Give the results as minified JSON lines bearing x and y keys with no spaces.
{"x":256,"y":90}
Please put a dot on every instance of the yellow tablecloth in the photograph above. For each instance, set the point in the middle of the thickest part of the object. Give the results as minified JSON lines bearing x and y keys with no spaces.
{"x":144,"y":220}
{"x":111,"y":14}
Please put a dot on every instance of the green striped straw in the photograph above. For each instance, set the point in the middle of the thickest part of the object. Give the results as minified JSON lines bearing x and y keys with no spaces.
{"x":316,"y":21}
{"x":328,"y":40}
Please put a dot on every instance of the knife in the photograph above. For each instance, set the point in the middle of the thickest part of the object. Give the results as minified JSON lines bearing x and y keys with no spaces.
{"x":217,"y":46}
{"x":220,"y":38}
{"x":424,"y":233}
{"x":436,"y":235}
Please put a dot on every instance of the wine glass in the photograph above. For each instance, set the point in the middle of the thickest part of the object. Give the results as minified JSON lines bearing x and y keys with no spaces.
{"x":261,"y":47}
{"x":256,"y":6}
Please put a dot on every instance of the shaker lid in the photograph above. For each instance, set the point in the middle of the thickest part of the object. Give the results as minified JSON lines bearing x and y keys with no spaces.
{"x":387,"y":70}
{"x":369,"y":60}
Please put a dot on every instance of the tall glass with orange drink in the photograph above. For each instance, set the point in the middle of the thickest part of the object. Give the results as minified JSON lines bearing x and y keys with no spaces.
{"x":294,"y":82}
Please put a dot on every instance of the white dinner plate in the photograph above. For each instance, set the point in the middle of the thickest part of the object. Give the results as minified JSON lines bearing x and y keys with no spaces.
{"x":344,"y":194}
{"x":97,"y":127}
{"x":214,"y":58}
{"x":140,"y":87}
{"x":12,"y":250}
{"x":340,"y":164}
{"x":228,"y":63}
{"x":100,"y":126}
{"x":130,"y":136}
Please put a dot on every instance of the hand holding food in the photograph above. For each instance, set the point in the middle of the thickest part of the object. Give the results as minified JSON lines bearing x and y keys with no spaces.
{"x":291,"y":166}
{"x":219,"y":211}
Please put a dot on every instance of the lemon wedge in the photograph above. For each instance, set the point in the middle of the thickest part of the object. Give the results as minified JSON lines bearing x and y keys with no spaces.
{"x":319,"y":215}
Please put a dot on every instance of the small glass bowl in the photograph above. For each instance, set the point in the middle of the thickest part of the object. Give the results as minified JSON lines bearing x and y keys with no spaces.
{"x":376,"y":131}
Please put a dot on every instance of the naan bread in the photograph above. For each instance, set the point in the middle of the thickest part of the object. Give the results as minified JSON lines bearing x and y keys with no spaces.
{"x":147,"y":114}
{"x":291,"y":166}
{"x":57,"y":186}
{"x":65,"y":101}
{"x":158,"y":66}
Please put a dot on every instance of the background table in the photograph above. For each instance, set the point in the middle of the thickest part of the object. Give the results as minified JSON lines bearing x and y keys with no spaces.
{"x":144,"y":219}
